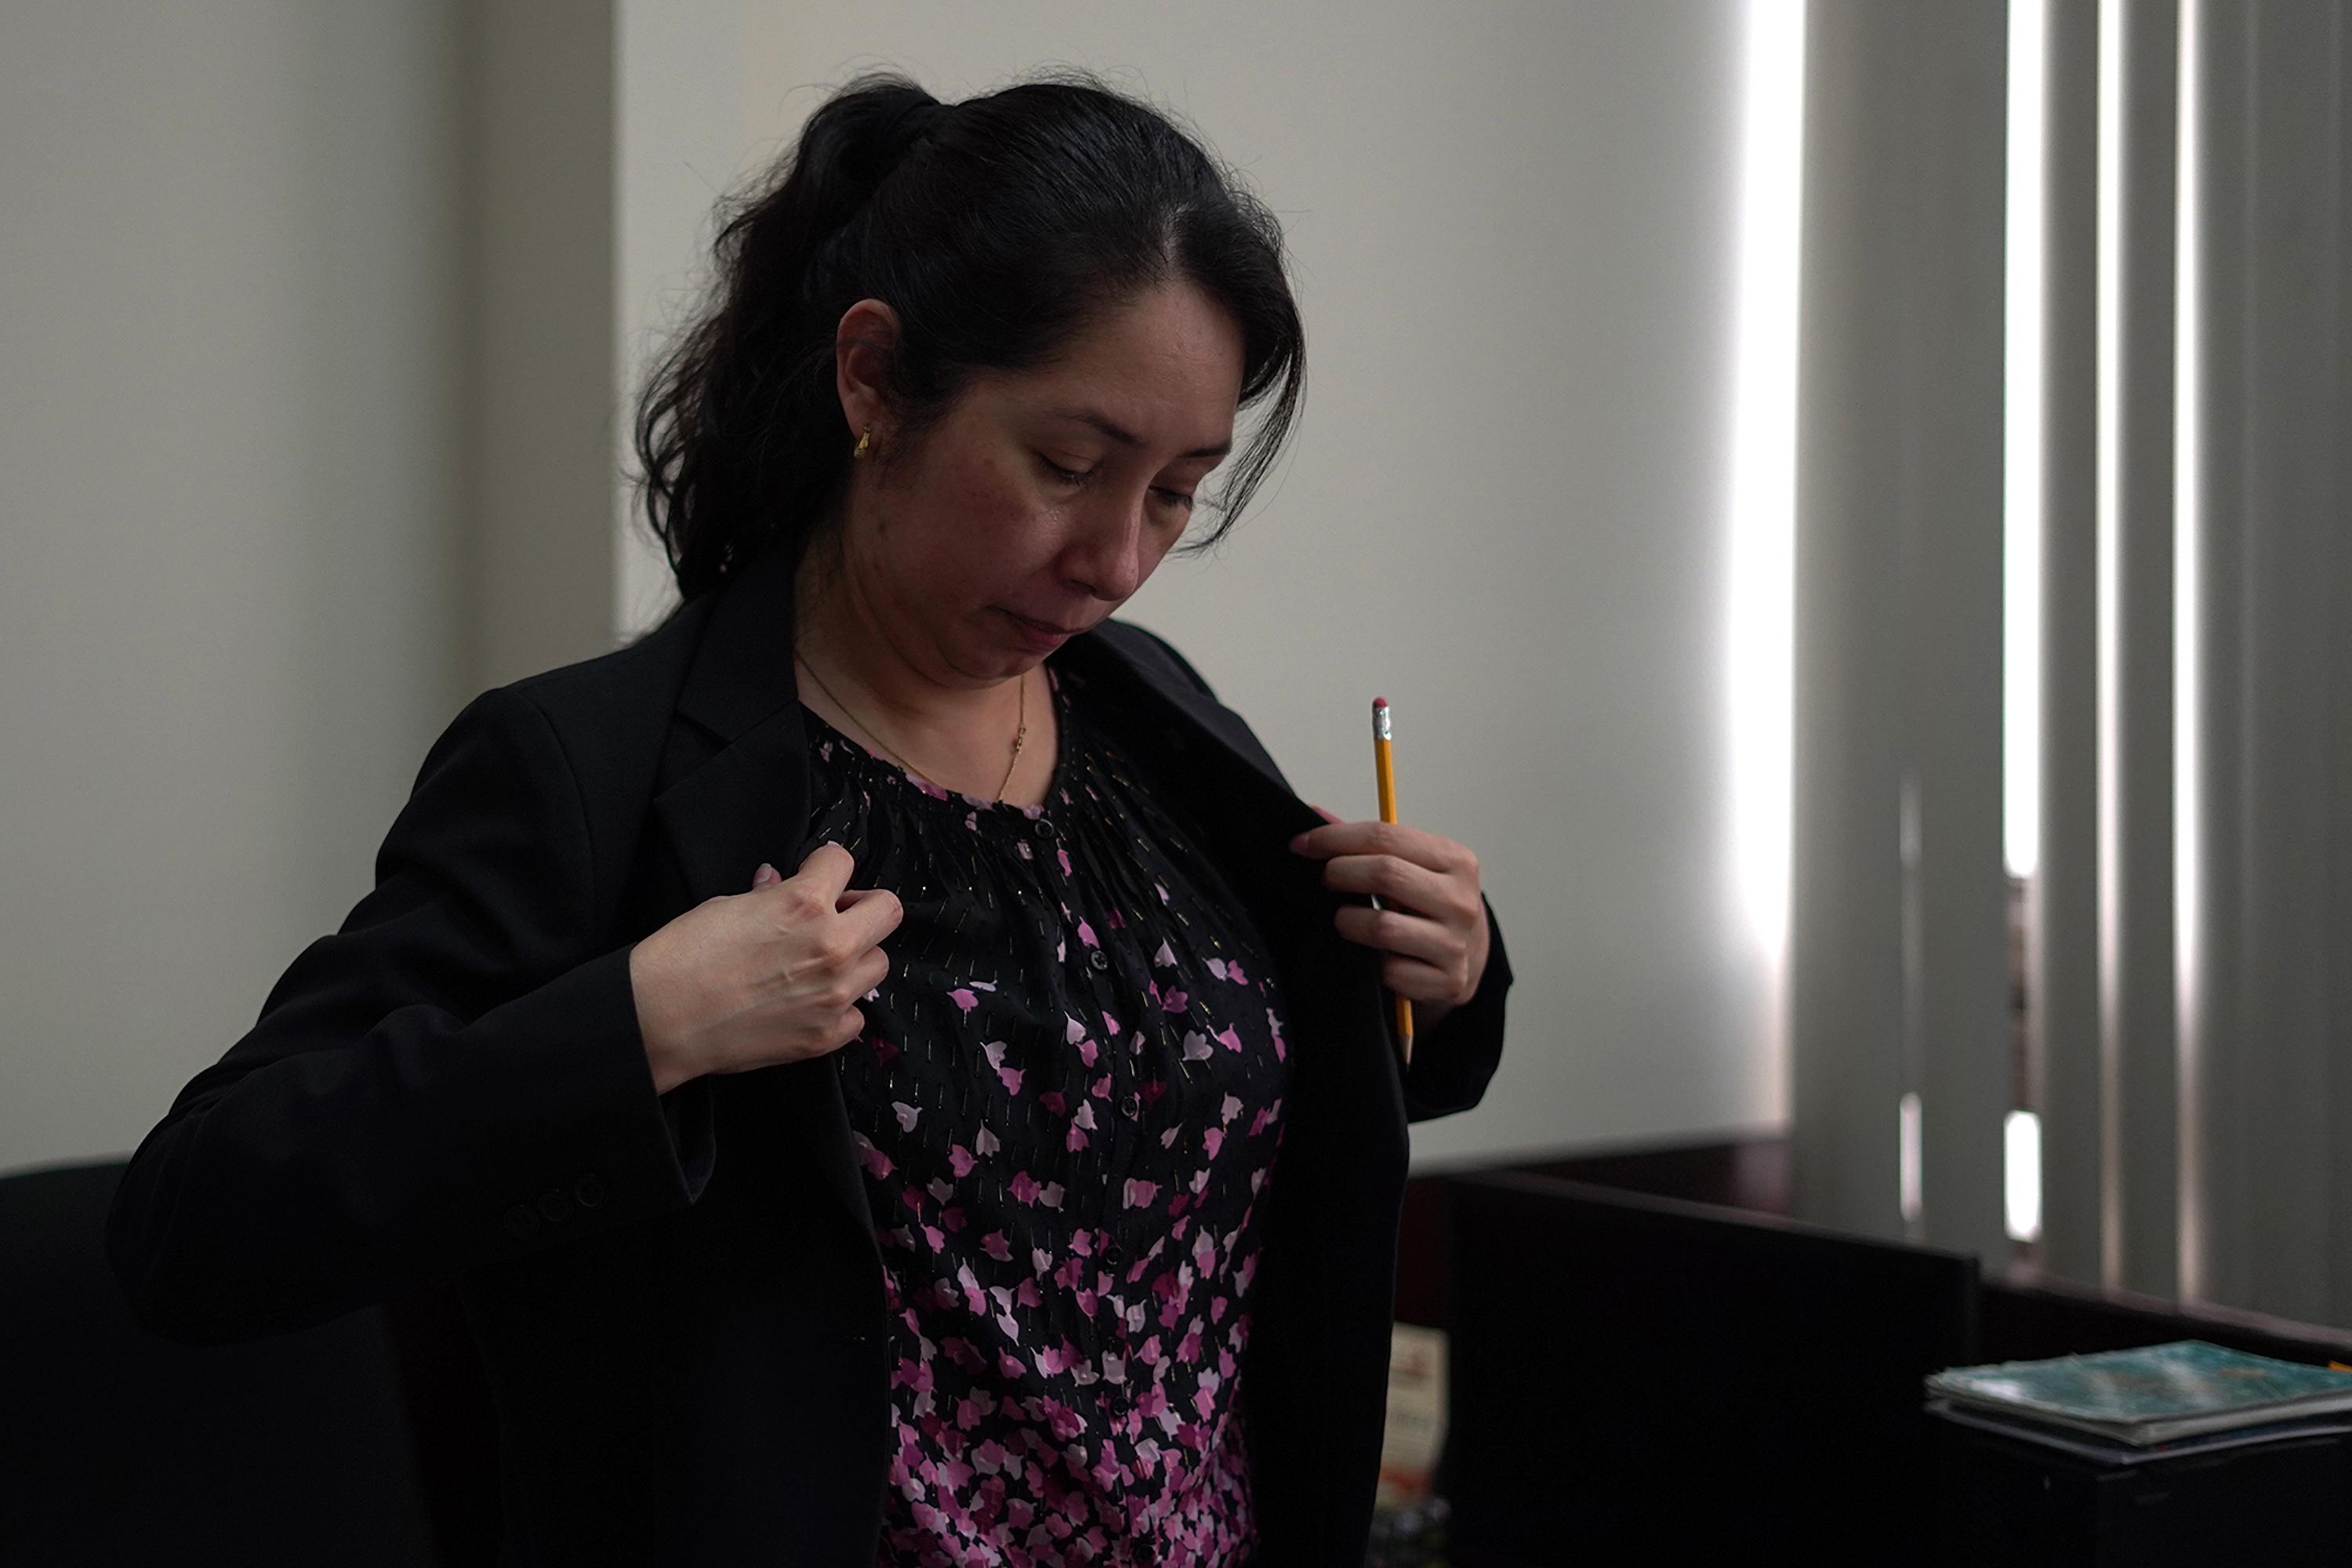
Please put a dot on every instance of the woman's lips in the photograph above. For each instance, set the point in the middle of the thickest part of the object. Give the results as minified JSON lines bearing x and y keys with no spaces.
{"x":1040,"y":632}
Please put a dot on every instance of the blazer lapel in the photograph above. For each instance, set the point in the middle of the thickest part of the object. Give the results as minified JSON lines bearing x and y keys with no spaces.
{"x":745,"y":804}
{"x":1200,"y":730}
{"x":749,"y":801}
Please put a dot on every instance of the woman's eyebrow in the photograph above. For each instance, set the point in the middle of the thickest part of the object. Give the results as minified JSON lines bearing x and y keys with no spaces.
{"x":1128,"y":437}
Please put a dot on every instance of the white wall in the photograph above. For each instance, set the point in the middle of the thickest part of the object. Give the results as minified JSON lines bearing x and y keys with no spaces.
{"x":228,"y":615}
{"x":544,"y":403}
{"x":678,"y":83}
{"x":1515,"y":234}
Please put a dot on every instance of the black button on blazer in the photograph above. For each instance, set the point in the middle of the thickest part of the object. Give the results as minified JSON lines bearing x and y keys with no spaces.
{"x":677,"y":1297}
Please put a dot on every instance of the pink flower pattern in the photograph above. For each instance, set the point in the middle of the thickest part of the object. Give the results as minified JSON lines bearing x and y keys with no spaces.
{"x":1046,"y":1103}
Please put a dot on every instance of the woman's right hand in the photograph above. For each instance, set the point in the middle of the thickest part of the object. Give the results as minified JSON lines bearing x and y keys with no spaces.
{"x":750,"y":980}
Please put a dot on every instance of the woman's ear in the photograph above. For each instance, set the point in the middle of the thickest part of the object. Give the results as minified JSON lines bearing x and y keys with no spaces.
{"x":862,"y":346}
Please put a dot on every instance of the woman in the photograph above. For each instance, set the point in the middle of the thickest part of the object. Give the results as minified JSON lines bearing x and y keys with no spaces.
{"x":895,"y":1072}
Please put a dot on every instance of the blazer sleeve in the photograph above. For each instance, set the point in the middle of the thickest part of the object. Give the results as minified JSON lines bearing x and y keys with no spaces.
{"x":452,"y":1079}
{"x":1453,"y":1062}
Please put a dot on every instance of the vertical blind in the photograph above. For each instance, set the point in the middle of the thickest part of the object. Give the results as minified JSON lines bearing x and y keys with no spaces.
{"x":2189,"y":909}
{"x":1897,"y":934}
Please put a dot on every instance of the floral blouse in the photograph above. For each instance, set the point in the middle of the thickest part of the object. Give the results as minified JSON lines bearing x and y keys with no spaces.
{"x":1068,"y":1099}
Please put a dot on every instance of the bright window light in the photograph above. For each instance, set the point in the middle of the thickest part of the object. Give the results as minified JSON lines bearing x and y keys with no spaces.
{"x":2187,"y":696}
{"x":2108,"y":460}
{"x":1906,"y":1130}
{"x":2022,"y":1158}
{"x":2107,"y":453}
{"x":2021,"y":450}
{"x":1763,"y":484}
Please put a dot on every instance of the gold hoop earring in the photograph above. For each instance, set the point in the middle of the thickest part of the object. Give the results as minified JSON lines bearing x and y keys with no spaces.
{"x":864,"y":443}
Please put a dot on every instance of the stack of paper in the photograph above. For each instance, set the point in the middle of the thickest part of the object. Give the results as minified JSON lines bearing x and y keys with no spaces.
{"x":2143,"y":1397}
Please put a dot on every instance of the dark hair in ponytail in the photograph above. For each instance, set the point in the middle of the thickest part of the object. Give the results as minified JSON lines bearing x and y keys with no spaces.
{"x":996,"y":229}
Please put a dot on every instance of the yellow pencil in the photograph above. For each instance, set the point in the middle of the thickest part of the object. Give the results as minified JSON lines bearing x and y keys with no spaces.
{"x":1384,"y":777}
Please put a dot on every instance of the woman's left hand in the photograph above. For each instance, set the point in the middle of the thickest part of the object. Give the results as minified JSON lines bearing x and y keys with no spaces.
{"x":1431,"y":926}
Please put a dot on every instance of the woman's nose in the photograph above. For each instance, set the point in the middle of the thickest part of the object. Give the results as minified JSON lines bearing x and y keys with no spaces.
{"x":1108,"y":556}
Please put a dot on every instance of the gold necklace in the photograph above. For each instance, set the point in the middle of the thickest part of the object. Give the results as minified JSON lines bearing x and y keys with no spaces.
{"x":1020,"y":736}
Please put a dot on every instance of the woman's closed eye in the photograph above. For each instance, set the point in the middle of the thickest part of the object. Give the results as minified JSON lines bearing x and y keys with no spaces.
{"x":1081,"y":477}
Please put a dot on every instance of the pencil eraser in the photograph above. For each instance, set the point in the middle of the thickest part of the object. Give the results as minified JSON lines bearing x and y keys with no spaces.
{"x":1380,"y":702}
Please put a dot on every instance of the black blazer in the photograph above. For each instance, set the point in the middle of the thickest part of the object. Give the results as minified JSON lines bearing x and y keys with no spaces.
{"x":677,"y":1297}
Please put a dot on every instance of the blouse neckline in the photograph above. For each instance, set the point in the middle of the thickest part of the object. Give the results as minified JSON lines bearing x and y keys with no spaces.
{"x":985,"y":808}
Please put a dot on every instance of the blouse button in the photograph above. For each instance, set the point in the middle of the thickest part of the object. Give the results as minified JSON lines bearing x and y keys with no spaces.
{"x":1131,"y":1104}
{"x":1045,"y":828}
{"x":1098,"y":958}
